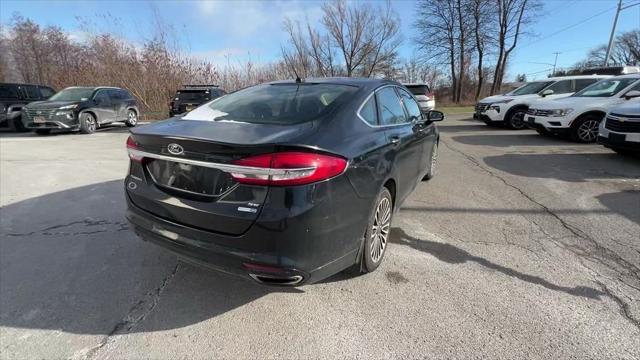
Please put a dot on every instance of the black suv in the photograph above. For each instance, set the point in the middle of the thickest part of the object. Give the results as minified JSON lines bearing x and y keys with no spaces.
{"x":81,"y":108}
{"x":15,"y":96}
{"x":192,"y":96}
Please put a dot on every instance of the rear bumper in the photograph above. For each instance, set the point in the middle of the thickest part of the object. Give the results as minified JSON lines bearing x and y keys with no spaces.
{"x":312,"y":244}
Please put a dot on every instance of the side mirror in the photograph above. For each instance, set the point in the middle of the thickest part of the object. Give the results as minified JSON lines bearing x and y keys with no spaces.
{"x":435,"y":115}
{"x":632,"y":94}
{"x":546,"y":93}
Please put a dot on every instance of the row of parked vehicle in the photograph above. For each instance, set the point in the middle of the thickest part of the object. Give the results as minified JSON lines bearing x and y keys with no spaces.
{"x":585,"y":108}
{"x":39,"y":108}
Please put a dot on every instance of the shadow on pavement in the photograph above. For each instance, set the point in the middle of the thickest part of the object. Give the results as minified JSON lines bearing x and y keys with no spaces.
{"x":523,"y":138}
{"x":625,"y":203}
{"x":454,"y":255}
{"x":567,"y":167}
{"x":68,"y":262}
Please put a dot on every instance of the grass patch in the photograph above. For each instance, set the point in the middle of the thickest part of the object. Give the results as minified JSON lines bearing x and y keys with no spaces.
{"x":451,"y":110}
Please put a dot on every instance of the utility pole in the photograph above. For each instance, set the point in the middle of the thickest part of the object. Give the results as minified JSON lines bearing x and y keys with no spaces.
{"x":555,"y":61}
{"x":613,"y":29}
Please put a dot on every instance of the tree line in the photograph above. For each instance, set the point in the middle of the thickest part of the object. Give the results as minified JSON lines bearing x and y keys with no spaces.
{"x":462,"y":50}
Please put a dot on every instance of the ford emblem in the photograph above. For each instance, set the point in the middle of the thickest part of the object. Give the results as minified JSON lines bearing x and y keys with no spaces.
{"x":175,"y":149}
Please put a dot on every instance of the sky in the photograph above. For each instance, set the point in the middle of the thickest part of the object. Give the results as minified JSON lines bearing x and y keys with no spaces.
{"x":234,"y":31}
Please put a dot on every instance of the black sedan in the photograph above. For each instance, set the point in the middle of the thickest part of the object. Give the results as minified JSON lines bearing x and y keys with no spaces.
{"x":285,"y":183}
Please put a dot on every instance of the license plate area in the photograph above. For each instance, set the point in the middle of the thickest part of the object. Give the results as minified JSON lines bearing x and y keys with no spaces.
{"x":617,"y":138}
{"x":39,"y":119}
{"x":189,"y":179}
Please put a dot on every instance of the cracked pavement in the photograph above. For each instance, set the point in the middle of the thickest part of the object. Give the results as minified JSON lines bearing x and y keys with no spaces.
{"x":521,"y":247}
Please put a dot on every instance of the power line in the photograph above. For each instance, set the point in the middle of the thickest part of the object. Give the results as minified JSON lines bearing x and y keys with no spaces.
{"x":568,"y":27}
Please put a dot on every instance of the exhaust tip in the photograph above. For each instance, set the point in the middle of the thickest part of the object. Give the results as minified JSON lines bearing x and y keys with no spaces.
{"x":277,"y":280}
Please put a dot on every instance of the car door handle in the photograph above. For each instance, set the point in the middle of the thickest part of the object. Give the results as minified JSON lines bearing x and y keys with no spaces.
{"x":395,"y":140}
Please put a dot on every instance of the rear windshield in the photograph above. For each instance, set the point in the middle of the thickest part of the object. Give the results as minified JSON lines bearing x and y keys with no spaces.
{"x":418,"y":89}
{"x":281,"y":103}
{"x":531,"y":88}
{"x":8,"y":92}
{"x":605,"y":88}
{"x":191,"y":95}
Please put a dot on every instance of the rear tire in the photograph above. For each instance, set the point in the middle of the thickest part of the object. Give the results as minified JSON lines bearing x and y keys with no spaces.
{"x":516,"y":119}
{"x":88,"y":123}
{"x":18,"y":125}
{"x":432,"y":164}
{"x":376,"y":238}
{"x":43,"y":131}
{"x":585,"y":129}
{"x":132,"y":118}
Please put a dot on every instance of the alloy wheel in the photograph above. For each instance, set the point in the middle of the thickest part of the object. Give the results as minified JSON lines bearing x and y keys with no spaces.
{"x":380,"y":229}
{"x":588,"y":130}
{"x":91,"y":124}
{"x":132,"y":118}
{"x":517,"y":120}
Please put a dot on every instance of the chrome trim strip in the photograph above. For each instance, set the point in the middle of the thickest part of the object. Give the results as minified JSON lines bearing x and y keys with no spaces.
{"x":238,"y":169}
{"x":295,"y":279}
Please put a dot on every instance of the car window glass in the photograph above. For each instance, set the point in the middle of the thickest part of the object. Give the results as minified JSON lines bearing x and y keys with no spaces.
{"x":32,"y":92}
{"x":46,"y":92}
{"x":411,"y":105}
{"x":635,"y":88}
{"x":114,"y":94}
{"x":583,"y":83}
{"x":8,"y":92}
{"x":368,"y":111}
{"x":389,"y":107}
{"x":606,"y":88}
{"x":284,"y":103}
{"x":101,"y":96}
{"x":561,"y":87}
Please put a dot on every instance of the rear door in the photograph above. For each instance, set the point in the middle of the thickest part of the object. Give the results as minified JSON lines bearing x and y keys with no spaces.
{"x":120,"y":103}
{"x":104,"y":106}
{"x":404,"y":146}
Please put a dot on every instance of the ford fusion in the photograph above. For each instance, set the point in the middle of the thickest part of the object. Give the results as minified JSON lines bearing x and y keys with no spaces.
{"x":284,"y":183}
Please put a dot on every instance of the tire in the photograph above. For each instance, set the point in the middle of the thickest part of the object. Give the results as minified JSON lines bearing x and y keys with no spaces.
{"x":43,"y":131}
{"x":516,"y":119}
{"x":376,"y":237}
{"x":432,"y":164}
{"x":132,"y":118}
{"x":18,"y":125}
{"x":88,"y":123}
{"x":585,"y":129}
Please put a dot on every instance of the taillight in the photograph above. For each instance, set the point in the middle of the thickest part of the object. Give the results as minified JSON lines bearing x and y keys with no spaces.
{"x":132,"y":148}
{"x":429,"y":95}
{"x":288,"y":168}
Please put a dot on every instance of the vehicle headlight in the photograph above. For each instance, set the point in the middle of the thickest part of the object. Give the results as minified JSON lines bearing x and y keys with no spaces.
{"x":68,"y":107}
{"x":560,"y":112}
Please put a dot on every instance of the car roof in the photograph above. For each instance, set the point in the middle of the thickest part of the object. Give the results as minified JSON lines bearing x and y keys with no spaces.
{"x":574,"y":77}
{"x":366,"y":83}
{"x":414,"y":84}
{"x":23,"y":84}
{"x":94,"y":87}
{"x":628,"y":76}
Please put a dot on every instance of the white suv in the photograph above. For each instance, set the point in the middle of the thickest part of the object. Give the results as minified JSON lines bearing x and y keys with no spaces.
{"x":579,"y":115}
{"x":511,"y":108}
{"x":422,"y":93}
{"x":620,"y":130}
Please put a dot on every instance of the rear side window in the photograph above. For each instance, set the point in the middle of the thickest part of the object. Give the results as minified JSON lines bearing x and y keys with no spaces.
{"x":32,"y":92}
{"x":282,"y":104}
{"x":368,"y":112}
{"x":561,"y":87}
{"x":389,"y":106}
{"x":418,"y":89}
{"x":411,"y":105}
{"x":9,"y":92}
{"x":583,"y":83}
{"x":46,"y":92}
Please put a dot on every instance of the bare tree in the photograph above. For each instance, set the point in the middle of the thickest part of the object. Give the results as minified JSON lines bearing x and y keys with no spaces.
{"x":437,"y":34}
{"x":512,"y":16}
{"x":626,"y":51}
{"x":482,"y":22}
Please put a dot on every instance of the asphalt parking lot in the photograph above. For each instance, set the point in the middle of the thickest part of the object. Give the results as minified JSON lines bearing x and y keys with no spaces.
{"x":522,"y":247}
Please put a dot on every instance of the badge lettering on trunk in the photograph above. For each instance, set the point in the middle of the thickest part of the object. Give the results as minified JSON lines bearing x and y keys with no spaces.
{"x":175,"y":149}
